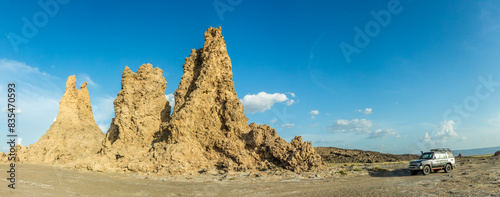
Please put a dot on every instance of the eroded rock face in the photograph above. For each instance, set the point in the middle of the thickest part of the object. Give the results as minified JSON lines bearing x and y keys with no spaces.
{"x":296,"y":155}
{"x":140,"y":107}
{"x":338,"y":155}
{"x":209,"y":128}
{"x":74,"y":134}
{"x":207,"y":131}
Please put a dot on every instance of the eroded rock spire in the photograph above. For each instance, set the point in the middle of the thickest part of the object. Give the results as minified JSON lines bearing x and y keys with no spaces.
{"x":74,"y":135}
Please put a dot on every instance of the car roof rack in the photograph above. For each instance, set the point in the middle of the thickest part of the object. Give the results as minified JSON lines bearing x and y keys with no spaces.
{"x":441,"y":150}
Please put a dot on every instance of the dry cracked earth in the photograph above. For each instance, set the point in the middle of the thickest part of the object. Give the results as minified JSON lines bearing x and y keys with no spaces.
{"x":474,"y":176}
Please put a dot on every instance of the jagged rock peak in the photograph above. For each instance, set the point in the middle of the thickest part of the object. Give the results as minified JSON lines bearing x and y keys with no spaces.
{"x":208,"y":127}
{"x":214,"y":38}
{"x":75,"y":102}
{"x":73,"y":135}
{"x":206,"y":99}
{"x":140,"y":107}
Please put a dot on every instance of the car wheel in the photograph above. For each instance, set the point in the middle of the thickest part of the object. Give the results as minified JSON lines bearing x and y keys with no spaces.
{"x":426,"y":170}
{"x":414,"y":172}
{"x":447,"y":168}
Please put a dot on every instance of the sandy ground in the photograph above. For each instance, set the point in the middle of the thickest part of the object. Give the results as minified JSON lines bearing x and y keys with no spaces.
{"x":474,"y":176}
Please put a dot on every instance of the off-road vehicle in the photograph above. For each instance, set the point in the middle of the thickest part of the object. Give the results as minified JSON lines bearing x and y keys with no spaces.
{"x":435,"y":160}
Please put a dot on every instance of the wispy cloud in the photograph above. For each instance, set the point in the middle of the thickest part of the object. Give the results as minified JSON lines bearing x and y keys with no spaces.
{"x":361,"y":126}
{"x":288,"y":125}
{"x":85,"y":77}
{"x":314,"y":124}
{"x":103,"y":109}
{"x":38,"y":98}
{"x":38,"y":95}
{"x":379,"y":133}
{"x":366,"y":111}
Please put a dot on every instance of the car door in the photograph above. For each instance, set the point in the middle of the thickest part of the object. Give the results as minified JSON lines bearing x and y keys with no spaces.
{"x":442,"y":159}
{"x":438,"y":157}
{"x":436,"y":162}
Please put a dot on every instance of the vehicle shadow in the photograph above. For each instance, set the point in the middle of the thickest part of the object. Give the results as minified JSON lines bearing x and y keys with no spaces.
{"x":391,"y":173}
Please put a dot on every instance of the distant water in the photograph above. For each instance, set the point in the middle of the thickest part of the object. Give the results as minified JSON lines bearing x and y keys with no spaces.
{"x":477,"y":151}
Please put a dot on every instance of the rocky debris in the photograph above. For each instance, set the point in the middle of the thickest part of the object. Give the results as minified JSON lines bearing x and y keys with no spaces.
{"x":296,"y":156}
{"x":338,"y":155}
{"x":497,"y":154}
{"x":208,"y":127}
{"x":72,"y":136}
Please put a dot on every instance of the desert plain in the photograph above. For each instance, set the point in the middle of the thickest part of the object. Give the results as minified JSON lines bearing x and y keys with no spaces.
{"x":473,"y":176}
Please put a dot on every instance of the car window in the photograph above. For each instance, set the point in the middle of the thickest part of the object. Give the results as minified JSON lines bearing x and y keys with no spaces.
{"x":426,"y":156}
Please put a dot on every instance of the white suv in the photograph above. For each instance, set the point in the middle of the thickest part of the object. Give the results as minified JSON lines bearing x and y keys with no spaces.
{"x":435,"y":160}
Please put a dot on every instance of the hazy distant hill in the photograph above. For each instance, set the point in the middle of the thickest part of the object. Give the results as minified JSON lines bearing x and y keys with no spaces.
{"x":477,"y":151}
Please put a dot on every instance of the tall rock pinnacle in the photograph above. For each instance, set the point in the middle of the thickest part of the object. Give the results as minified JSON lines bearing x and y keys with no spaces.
{"x":209,"y":128}
{"x":73,"y":135}
{"x":206,"y":99}
{"x":140,"y":107}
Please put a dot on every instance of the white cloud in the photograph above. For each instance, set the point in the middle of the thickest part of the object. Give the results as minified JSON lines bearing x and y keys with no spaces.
{"x":361,"y":126}
{"x":446,"y":130}
{"x":171,"y":99}
{"x":19,"y":141}
{"x":426,"y":138}
{"x":313,"y":112}
{"x":262,"y":101}
{"x":274,"y":120}
{"x":441,"y":134}
{"x":290,"y":102}
{"x":351,"y":126}
{"x":379,"y":133}
{"x":291,"y":94}
{"x":366,"y":111}
{"x":287,"y":125}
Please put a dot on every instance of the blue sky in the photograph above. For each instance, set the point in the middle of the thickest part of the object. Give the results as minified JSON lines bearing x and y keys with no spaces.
{"x":416,"y":74}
